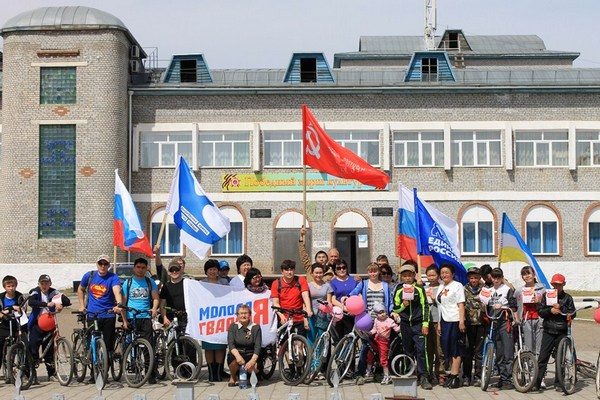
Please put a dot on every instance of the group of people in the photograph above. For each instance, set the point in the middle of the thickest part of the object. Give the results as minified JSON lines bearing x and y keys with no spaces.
{"x":442,"y":323}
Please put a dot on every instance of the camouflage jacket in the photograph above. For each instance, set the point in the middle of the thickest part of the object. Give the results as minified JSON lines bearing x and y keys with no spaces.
{"x":474,"y":312}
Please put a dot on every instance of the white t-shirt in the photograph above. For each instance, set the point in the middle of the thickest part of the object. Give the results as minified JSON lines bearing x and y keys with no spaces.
{"x":237,"y":282}
{"x":448,"y":297}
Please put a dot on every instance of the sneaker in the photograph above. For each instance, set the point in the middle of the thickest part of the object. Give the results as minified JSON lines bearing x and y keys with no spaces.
{"x":508,"y":385}
{"x":466,"y":381}
{"x":543,"y":385}
{"x":476,"y":381}
{"x":535,"y":389}
{"x":360,"y":380}
{"x":454,"y":383}
{"x":386,"y":380}
{"x":425,"y":384}
{"x":52,"y":378}
{"x":368,"y":374}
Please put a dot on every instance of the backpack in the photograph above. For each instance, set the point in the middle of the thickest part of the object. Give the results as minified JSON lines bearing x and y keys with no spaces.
{"x":280,"y":281}
{"x":148,"y":282}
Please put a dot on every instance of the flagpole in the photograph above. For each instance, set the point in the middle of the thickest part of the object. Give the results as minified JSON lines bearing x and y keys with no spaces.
{"x":162,"y":229}
{"x":303,"y":169}
{"x":115,"y":259}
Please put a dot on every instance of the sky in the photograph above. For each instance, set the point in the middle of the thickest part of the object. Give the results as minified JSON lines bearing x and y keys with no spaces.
{"x":265,"y":33}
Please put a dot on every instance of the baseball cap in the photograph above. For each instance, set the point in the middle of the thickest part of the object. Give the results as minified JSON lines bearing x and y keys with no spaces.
{"x":378,"y":307}
{"x":473,"y":270}
{"x":558,"y":278}
{"x":103,"y":258}
{"x":44,"y":277}
{"x":223,"y":264}
{"x":405,"y":268}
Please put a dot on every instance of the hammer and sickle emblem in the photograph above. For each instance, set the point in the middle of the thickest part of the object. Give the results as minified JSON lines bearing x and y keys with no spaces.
{"x":312,"y":142}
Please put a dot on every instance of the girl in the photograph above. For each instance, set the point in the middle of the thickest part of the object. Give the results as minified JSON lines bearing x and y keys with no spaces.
{"x":318,"y":291}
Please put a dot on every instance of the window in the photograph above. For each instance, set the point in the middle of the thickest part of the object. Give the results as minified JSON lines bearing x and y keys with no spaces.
{"x":287,"y":230}
{"x":170,"y":245}
{"x":57,"y":178}
{"x":308,"y":70}
{"x":363,"y":143}
{"x":188,"y":71}
{"x":476,"y":148}
{"x":429,"y":70}
{"x":453,"y":40}
{"x":543,"y":149}
{"x":232,"y":243}
{"x":419,"y":149}
{"x":224,"y":149}
{"x":594,"y":232}
{"x":588,"y":148}
{"x":477,"y":231}
{"x":58,"y":85}
{"x":542,"y":230}
{"x":162,"y":149}
{"x":283,"y":149}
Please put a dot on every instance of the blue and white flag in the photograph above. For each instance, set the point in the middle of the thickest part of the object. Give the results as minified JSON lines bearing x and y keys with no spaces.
{"x":201,"y":222}
{"x":437,"y":237}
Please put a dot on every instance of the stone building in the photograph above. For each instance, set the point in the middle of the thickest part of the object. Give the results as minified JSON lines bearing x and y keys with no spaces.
{"x":481,"y":125}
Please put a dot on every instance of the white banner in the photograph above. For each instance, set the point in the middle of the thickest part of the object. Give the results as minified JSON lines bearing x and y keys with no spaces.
{"x":211,"y":309}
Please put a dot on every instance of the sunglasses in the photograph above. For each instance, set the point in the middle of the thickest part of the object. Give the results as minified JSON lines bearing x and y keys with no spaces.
{"x":103,"y":263}
{"x":174,"y":269}
{"x":386,"y":273}
{"x":341,"y":268}
{"x":288,"y":268}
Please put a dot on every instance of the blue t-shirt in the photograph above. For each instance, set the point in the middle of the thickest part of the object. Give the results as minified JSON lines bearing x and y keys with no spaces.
{"x":342,"y":288}
{"x":140,"y":297}
{"x":100,"y":292}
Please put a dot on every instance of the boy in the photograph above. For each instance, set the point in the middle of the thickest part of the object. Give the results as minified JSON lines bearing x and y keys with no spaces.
{"x":415,"y":317}
{"x":555,"y":325}
{"x":292,"y":293}
{"x":224,"y":270}
{"x":476,"y":328}
{"x":502,"y":296}
{"x":10,"y":300}
{"x":435,"y":355}
{"x":41,"y":300}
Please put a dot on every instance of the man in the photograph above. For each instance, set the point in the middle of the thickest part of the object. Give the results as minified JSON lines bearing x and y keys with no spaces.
{"x":291,"y":292}
{"x":103,"y":293}
{"x":224,"y":270}
{"x":320,"y":258}
{"x":243,"y":264}
{"x":141,"y":293}
{"x":161,"y":271}
{"x":171,"y":295}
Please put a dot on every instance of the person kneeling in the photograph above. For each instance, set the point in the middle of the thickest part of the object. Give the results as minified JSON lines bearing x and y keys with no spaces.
{"x":244,"y":339}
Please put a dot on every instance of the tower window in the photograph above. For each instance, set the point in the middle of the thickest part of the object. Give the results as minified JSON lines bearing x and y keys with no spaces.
{"x":308,"y":70}
{"x":188,"y":71}
{"x":453,"y":40}
{"x":429,"y":69}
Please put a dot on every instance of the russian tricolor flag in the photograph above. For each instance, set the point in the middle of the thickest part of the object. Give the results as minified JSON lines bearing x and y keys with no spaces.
{"x":128,"y":232}
{"x":407,"y":228}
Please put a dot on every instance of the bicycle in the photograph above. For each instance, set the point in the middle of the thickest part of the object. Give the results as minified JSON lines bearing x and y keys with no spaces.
{"x":18,"y":362}
{"x":138,"y":358}
{"x":89,"y":348}
{"x":63,"y":354}
{"x":321,"y":348}
{"x":293,"y":351}
{"x":525,"y":365}
{"x":489,"y":350}
{"x":117,"y":354}
{"x":181,"y":353}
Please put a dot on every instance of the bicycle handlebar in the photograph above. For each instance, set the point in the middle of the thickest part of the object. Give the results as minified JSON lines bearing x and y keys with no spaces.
{"x":297,"y":312}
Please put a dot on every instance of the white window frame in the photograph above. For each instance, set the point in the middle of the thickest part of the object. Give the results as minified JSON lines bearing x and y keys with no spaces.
{"x":232,"y":142}
{"x":594,"y":217}
{"x":477,"y":214}
{"x":235,"y":217}
{"x":157,"y":217}
{"x":140,"y":130}
{"x":333,"y":132}
{"x":542,"y":214}
{"x":539,"y":142}
{"x":421,"y":143}
{"x":293,"y":133}
{"x":591,"y":144}
{"x":475,"y":141}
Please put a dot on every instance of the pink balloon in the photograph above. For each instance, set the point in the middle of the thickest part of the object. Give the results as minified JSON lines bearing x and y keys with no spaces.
{"x":355,"y":305}
{"x":337,"y":313}
{"x":363,"y":322}
{"x":325,"y":308}
{"x":597,"y":315}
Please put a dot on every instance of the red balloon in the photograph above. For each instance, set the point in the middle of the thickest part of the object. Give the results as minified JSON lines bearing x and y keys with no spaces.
{"x":46,"y":322}
{"x":597,"y":315}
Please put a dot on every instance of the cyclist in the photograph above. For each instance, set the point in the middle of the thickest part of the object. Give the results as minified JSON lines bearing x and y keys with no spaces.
{"x":44,"y":299}
{"x":141,"y":293}
{"x":10,"y":298}
{"x":292,"y":293}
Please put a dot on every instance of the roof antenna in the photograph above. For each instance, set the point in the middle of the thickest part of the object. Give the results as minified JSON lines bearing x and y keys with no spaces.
{"x":430,"y":23}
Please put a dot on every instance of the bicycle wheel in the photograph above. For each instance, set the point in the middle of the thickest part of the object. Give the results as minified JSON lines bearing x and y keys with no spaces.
{"x":267,"y":362}
{"x":80,"y":359}
{"x":20,"y":365}
{"x":100,"y":366}
{"x":566,"y":370}
{"x":63,"y":361}
{"x":5,"y":348}
{"x":598,"y":376}
{"x":341,"y":359}
{"x":488,"y":365}
{"x":524,"y":371}
{"x":138,"y":362}
{"x":184,"y":350}
{"x":160,"y":354}
{"x":295,"y":366}
{"x":318,"y":358}
{"x":116,"y":370}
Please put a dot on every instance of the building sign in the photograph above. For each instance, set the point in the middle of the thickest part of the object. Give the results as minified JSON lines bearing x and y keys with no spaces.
{"x":290,"y":182}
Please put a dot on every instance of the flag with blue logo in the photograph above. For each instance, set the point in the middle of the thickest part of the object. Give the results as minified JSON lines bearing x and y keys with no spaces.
{"x":437,"y":236}
{"x":201,"y":222}
{"x":514,"y":248}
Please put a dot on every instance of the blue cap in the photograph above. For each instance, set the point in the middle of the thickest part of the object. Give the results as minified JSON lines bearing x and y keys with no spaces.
{"x":223,"y":264}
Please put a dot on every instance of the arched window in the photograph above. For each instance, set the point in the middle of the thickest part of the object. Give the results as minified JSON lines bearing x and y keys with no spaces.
{"x":233,"y":243}
{"x":170,"y":245}
{"x":286,"y":235}
{"x":541,"y":226}
{"x":593,"y":234}
{"x":477,"y":231}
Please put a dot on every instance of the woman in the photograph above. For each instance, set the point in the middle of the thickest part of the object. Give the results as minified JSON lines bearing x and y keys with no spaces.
{"x":372,"y":290}
{"x":339,"y":290}
{"x":214,"y":353}
{"x":451,"y":302}
{"x":386,"y":274}
{"x":244,"y":339}
{"x":318,"y":291}
{"x":254,"y":281}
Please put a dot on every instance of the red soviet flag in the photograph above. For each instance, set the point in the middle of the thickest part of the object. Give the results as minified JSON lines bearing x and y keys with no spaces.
{"x":323,"y":153}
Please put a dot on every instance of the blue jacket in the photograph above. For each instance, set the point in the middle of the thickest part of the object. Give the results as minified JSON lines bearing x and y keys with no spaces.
{"x":362,"y":287}
{"x":35,"y":302}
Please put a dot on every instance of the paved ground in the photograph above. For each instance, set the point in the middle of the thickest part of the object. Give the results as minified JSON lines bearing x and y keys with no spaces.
{"x":586,"y":337}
